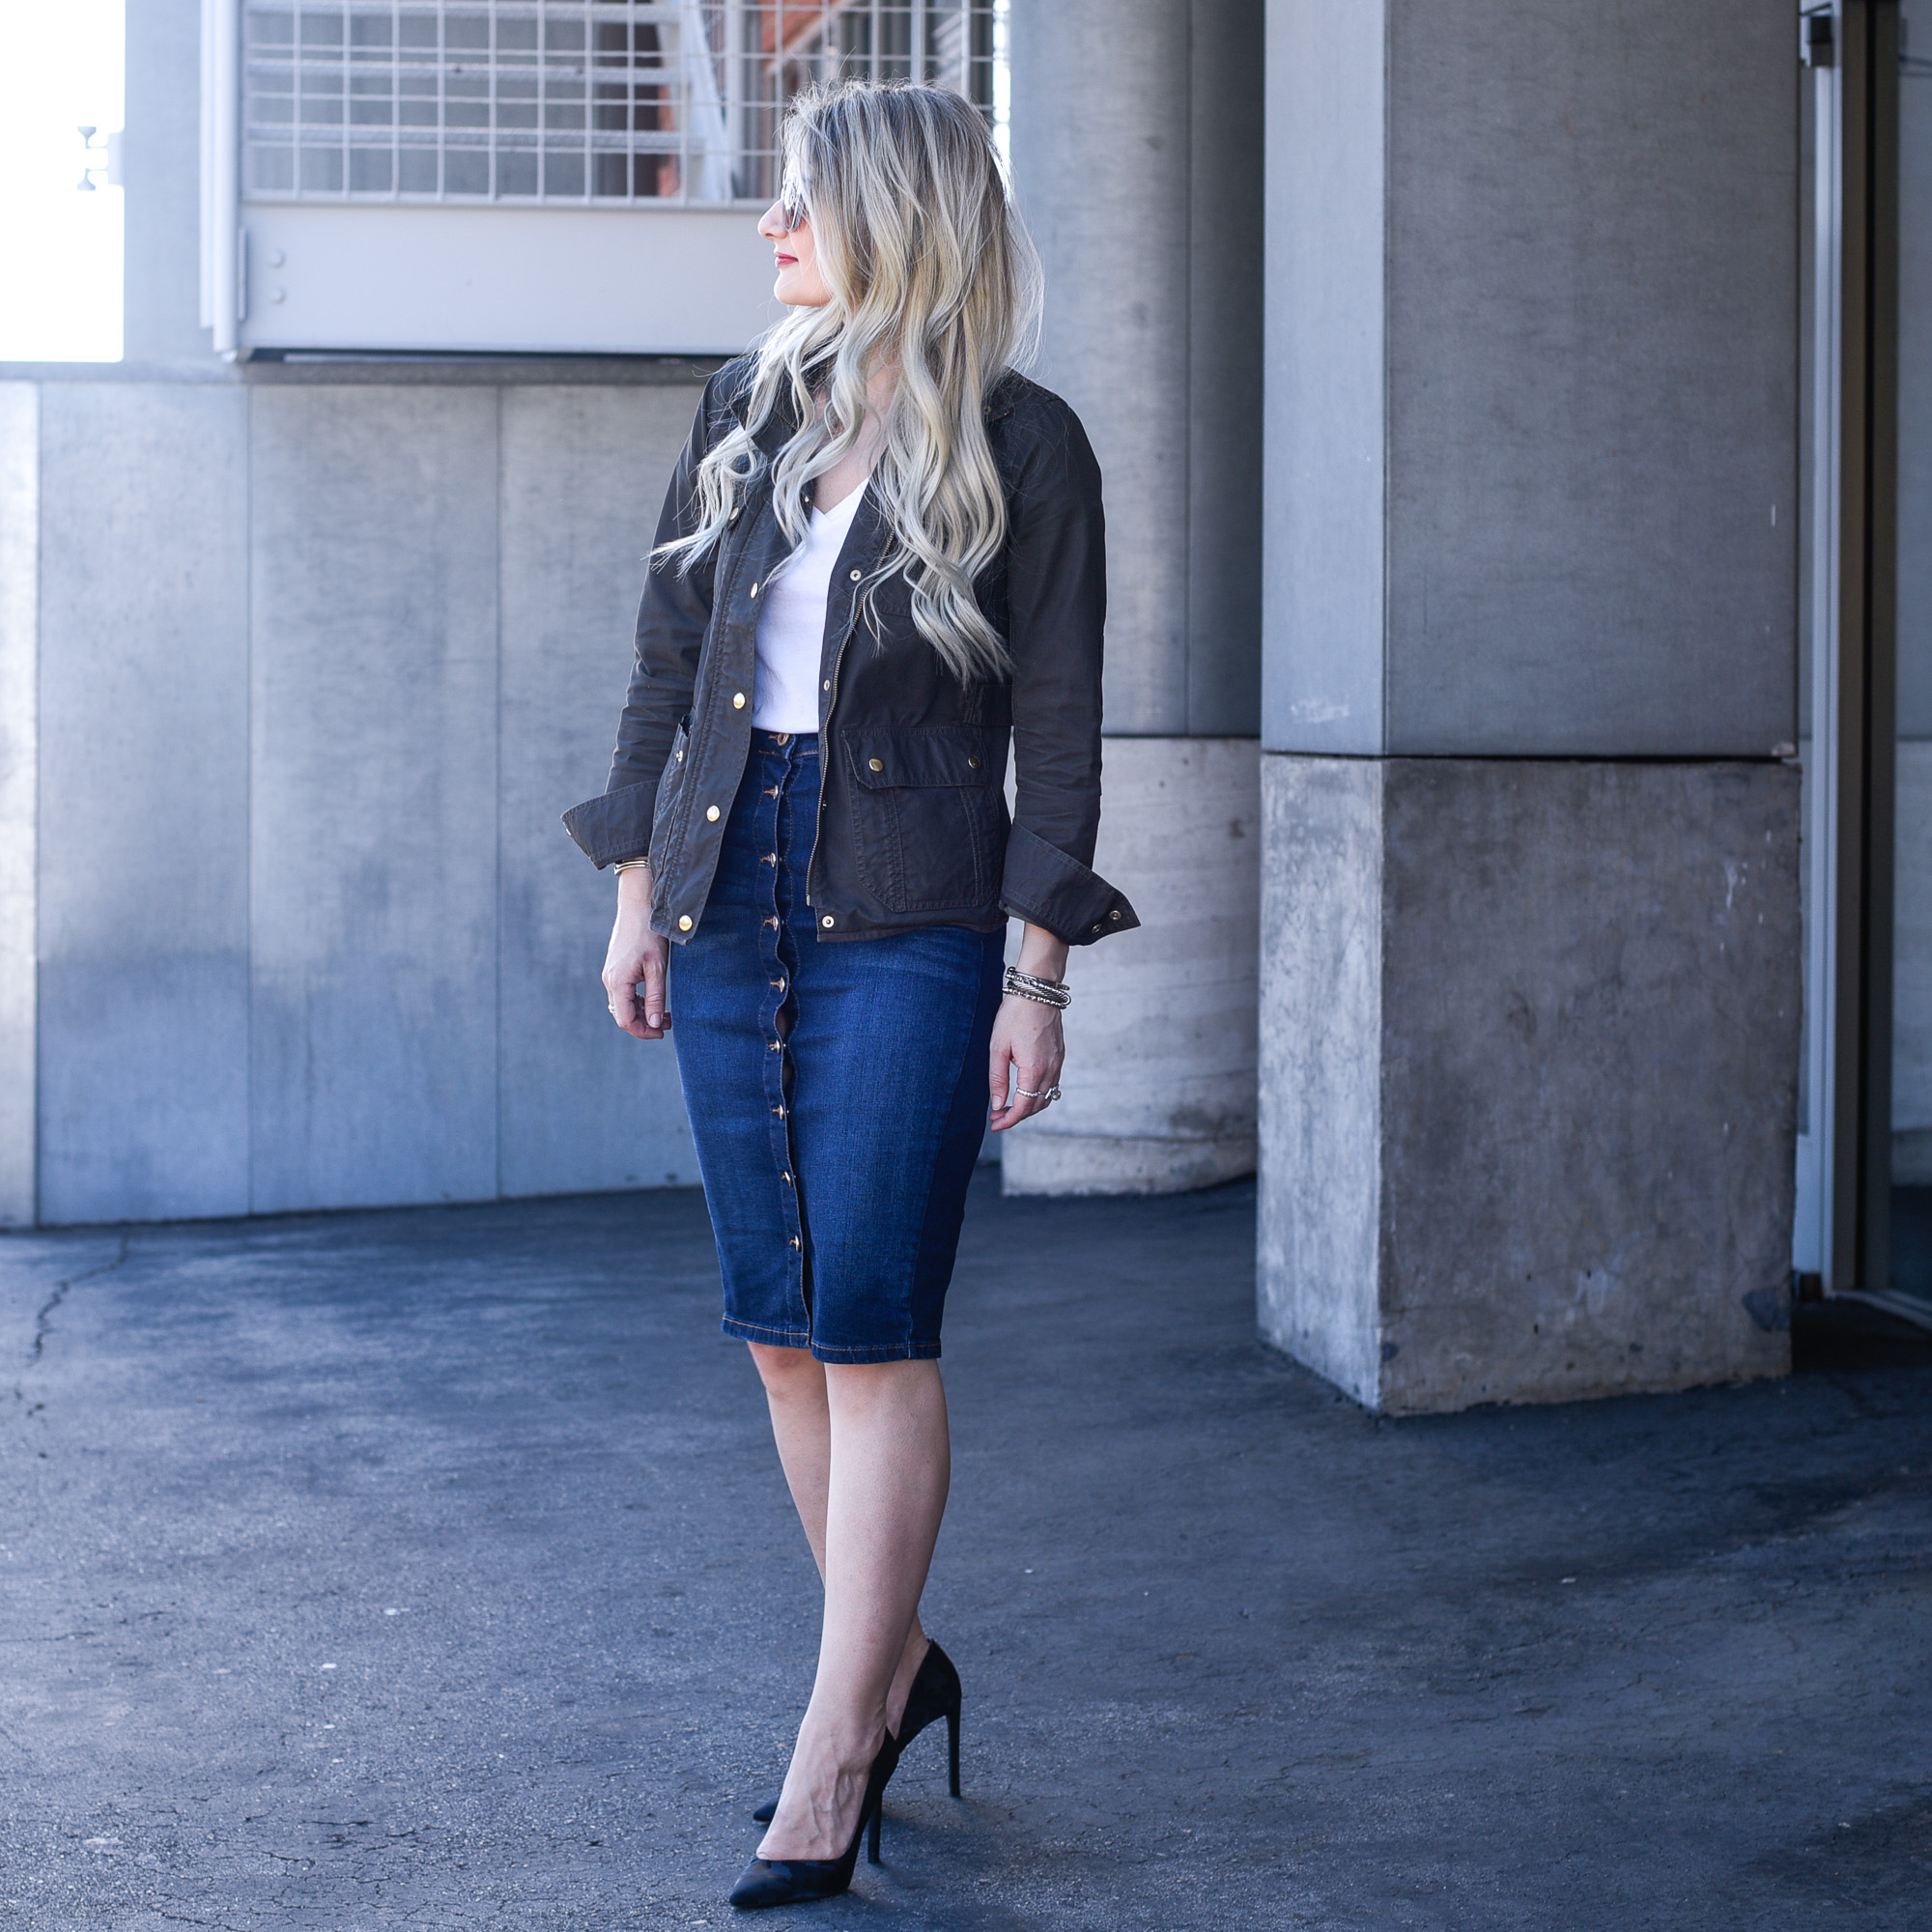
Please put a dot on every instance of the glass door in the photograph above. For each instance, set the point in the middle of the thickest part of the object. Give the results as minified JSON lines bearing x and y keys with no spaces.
{"x":1865,"y":1182}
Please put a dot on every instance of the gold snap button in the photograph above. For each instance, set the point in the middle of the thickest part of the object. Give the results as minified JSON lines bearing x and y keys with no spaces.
{"x":737,"y":700}
{"x":684,"y":922}
{"x":826,"y":921}
{"x":876,"y":764}
{"x":711,"y":812}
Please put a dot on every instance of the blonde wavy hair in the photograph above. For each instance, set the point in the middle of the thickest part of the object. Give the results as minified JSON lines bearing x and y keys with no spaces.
{"x":933,"y":274}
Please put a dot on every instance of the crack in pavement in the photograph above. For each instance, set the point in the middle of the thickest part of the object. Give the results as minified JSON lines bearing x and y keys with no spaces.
{"x":43,"y":1322}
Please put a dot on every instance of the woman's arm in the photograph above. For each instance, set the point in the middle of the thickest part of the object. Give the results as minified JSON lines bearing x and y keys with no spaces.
{"x":1028,"y":1046}
{"x":673,"y":614}
{"x":636,"y":952}
{"x":1057,"y":614}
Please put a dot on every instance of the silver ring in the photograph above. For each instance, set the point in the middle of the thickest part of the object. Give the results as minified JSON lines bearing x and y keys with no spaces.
{"x":1026,"y":1093}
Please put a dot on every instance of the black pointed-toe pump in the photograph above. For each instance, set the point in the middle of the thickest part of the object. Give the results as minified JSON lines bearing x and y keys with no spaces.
{"x":796,"y":1880}
{"x":934,"y":1693}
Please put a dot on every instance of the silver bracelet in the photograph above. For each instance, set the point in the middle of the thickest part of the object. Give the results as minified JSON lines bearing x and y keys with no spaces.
{"x":626,"y":864}
{"x":1048,"y":992}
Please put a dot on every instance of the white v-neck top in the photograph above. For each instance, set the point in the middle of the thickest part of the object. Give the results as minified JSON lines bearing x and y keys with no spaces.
{"x":791,"y":627}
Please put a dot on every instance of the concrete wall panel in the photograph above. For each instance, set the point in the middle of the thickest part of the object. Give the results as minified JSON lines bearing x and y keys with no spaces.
{"x":143,"y":802}
{"x":1592,"y":415}
{"x":375,"y":795}
{"x":1321,"y":677}
{"x":20,"y":746}
{"x":1160,"y":1038}
{"x":581,"y":1106}
{"x":1317,"y":1273}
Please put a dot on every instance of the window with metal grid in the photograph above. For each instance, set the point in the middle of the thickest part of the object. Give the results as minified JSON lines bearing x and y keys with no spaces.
{"x":586,"y":102}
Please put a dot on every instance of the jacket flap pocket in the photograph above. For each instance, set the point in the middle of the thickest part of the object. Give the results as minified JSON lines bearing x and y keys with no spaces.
{"x":942,"y":754}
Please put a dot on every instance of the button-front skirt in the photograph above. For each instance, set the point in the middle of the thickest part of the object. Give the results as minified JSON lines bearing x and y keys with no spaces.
{"x":837,"y":1090}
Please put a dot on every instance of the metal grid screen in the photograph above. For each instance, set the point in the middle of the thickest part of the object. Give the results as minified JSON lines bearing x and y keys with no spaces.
{"x":584,"y":101}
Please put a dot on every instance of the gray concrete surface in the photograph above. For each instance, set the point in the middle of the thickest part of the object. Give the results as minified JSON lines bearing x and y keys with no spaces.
{"x":144,"y":832}
{"x":303,"y":667}
{"x":1529,"y":1033}
{"x":433,"y":1569}
{"x":1137,"y":150}
{"x":1159,"y":1087}
{"x":1531,"y":378}
{"x":1137,"y":144}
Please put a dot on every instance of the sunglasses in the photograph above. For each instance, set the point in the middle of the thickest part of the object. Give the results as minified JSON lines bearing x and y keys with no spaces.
{"x":791,"y":206}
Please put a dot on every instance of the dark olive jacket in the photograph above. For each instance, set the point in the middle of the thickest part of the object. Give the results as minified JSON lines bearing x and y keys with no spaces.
{"x":912,"y":822}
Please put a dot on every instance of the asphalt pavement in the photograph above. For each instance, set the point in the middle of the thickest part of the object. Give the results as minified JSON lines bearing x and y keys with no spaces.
{"x":433,"y":1568}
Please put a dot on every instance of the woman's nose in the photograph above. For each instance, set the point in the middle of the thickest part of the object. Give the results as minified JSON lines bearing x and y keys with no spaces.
{"x":771,"y":224}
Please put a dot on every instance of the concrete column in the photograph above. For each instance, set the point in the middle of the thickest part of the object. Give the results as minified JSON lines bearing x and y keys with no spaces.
{"x":1530,"y":921}
{"x":1136,"y":140}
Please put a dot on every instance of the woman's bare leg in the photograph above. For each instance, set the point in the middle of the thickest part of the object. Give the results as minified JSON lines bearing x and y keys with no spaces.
{"x":888,"y":1465}
{"x":795,"y":1383}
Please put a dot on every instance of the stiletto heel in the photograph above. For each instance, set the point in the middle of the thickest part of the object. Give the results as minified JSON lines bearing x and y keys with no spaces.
{"x":878,"y":1819}
{"x":794,"y":1881}
{"x":934,"y":1693}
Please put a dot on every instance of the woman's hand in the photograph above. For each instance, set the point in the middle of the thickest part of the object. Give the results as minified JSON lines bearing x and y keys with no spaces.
{"x":1029,"y":1048}
{"x":636,"y":952}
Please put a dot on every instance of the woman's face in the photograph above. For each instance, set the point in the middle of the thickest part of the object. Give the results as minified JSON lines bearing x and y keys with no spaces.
{"x":798,"y":285}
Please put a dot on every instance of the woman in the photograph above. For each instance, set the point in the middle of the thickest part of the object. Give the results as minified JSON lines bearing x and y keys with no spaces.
{"x":880,"y":556}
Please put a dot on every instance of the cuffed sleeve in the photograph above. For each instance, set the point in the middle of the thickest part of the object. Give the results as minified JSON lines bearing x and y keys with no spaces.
{"x":673,"y":614}
{"x":614,"y":825}
{"x":1047,"y":888}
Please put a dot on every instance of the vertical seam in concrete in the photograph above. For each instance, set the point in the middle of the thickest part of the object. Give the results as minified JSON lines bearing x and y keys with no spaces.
{"x":248,"y":780}
{"x":497,"y":790}
{"x":1382,"y":302}
{"x":1187,"y":401}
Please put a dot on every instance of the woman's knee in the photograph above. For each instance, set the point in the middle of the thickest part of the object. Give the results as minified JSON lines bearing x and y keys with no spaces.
{"x":787,"y":1371}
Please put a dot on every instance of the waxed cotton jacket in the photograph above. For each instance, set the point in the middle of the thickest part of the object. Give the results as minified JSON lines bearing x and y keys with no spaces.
{"x":913,"y":823}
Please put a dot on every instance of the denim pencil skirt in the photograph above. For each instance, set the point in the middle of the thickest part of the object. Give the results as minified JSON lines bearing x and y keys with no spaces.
{"x":836,"y":1090}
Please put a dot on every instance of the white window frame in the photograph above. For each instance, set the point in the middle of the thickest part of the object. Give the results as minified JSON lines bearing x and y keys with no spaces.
{"x":288,"y":269}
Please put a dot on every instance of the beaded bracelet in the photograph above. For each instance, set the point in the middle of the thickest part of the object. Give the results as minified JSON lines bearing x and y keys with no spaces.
{"x":1048,"y":992}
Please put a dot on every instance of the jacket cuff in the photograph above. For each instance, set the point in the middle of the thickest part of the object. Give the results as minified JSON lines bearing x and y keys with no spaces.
{"x":1044,"y":885}
{"x":615,"y":826}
